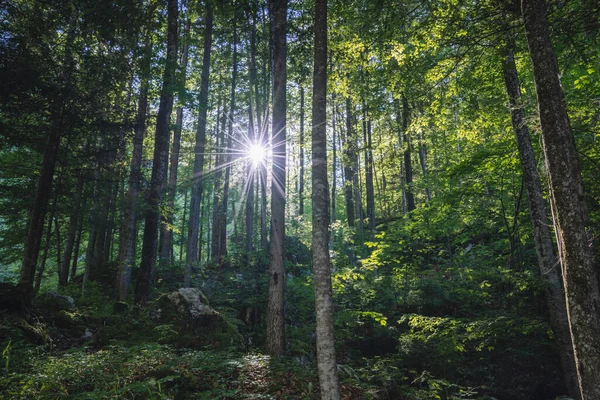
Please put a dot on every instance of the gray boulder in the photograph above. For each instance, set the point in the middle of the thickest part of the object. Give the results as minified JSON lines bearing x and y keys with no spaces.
{"x":186,"y":312}
{"x":52,"y":301}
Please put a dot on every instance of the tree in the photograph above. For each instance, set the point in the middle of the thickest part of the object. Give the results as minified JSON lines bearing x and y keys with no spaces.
{"x":160,"y":161}
{"x":128,"y":224}
{"x":547,"y":262}
{"x":197,"y":181}
{"x":275,"y":317}
{"x":326,"y":360}
{"x":571,"y":223}
{"x":166,"y":230}
{"x":58,"y":118}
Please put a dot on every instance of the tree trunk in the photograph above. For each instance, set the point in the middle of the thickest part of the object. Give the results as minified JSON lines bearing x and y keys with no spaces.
{"x":408,"y":172}
{"x":301,"y":183}
{"x":192,"y":247}
{"x":166,"y":231}
{"x":348,"y":164}
{"x":334,"y":167}
{"x":547,"y":261}
{"x":326,"y":360}
{"x":275,"y":317}
{"x":217,"y":192}
{"x":423,"y":162}
{"x":63,"y":271}
{"x":369,"y":178}
{"x":44,"y":187}
{"x":78,"y":241}
{"x":228,"y":152}
{"x":143,"y":289}
{"x":40,"y":272}
{"x":128,"y":220}
{"x":573,"y":233}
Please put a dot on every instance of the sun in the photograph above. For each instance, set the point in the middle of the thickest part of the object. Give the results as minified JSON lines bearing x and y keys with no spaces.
{"x":257,"y":153}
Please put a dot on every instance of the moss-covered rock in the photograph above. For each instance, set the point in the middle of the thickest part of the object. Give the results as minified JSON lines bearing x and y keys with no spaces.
{"x":196,"y":323}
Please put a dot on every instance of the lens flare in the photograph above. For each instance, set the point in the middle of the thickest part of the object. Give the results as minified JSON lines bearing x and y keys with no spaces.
{"x":257,"y":154}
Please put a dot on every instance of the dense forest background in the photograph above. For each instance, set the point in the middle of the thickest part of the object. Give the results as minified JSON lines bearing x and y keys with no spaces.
{"x":165,"y":210}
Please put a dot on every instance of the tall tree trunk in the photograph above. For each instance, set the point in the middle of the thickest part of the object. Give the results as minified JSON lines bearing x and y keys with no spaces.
{"x":301,"y":183}
{"x":572,"y":228}
{"x":547,"y":262}
{"x":369,"y":178}
{"x":40,"y":272}
{"x":44,"y":188}
{"x":192,"y":248}
{"x":166,"y":231}
{"x":229,"y":150}
{"x":63,"y":271}
{"x":356,"y":189}
{"x":348,"y":165}
{"x":408,"y":172}
{"x":143,"y":289}
{"x":401,"y":158}
{"x":78,"y":241}
{"x":128,"y":219}
{"x":252,"y":136}
{"x":217,"y":191}
{"x":423,"y":162}
{"x":275,"y":317}
{"x":326,"y":360}
{"x":334,"y":167}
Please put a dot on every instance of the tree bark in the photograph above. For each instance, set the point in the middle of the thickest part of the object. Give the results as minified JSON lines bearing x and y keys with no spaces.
{"x":128,"y":220}
{"x":324,"y":309}
{"x":369,"y":178}
{"x":408,"y":172}
{"x":44,"y":187}
{"x":166,"y":231}
{"x":275,"y":311}
{"x":348,"y":164}
{"x":192,"y":244}
{"x":301,"y":180}
{"x":547,"y":261}
{"x":63,"y":271}
{"x":143,"y":289}
{"x":571,"y":223}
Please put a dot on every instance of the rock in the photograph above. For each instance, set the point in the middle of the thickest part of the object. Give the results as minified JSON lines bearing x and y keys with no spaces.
{"x":196,"y":323}
{"x":52,"y":301}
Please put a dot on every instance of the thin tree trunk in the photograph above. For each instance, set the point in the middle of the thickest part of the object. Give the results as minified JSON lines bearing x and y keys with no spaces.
{"x":326,"y":359}
{"x":275,"y":310}
{"x":77,"y":244}
{"x":217,"y":192}
{"x":183,"y":224}
{"x":334,"y":167}
{"x":228,"y":158}
{"x":571,"y":222}
{"x":301,"y":184}
{"x":143,"y":289}
{"x":40,"y":272}
{"x":63,"y":271}
{"x":128,"y":220}
{"x":192,"y":245}
{"x":348,"y":165}
{"x":166,"y":231}
{"x":369,"y":178}
{"x":423,"y":162}
{"x":408,"y":172}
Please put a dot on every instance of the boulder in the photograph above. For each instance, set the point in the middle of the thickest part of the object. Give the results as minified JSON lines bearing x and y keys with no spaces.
{"x":187,"y":311}
{"x":52,"y":301}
